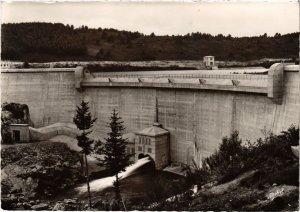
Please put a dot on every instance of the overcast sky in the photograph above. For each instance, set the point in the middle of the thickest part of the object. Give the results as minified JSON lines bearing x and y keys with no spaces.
{"x":237,"y":19}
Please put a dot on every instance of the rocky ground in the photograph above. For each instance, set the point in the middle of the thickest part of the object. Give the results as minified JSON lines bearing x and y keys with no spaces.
{"x":32,"y":173}
{"x":248,"y":192}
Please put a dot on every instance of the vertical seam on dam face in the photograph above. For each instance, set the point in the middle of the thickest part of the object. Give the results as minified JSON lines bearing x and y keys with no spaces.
{"x":197,"y":115}
{"x":234,"y":116}
{"x":175,"y":126}
{"x":194,"y":136}
{"x":274,"y":118}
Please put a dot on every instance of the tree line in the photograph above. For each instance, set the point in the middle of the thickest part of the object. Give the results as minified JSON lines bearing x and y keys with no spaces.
{"x":45,"y":42}
{"x":115,"y":158}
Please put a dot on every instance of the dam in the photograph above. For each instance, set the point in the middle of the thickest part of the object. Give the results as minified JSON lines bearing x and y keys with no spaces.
{"x":198,"y":108}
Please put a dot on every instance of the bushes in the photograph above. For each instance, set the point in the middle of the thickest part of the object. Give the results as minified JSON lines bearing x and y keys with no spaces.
{"x":233,"y":158}
{"x":272,"y":160}
{"x":227,"y":162}
{"x":274,"y":152}
{"x":196,"y":175}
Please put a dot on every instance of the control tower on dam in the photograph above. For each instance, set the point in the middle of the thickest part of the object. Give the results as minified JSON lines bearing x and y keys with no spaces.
{"x":197,"y":108}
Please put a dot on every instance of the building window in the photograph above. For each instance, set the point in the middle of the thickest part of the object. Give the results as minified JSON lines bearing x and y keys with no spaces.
{"x":140,"y":148}
{"x":128,"y":149}
{"x":140,"y":140}
{"x":132,"y":150}
{"x":147,"y":141}
{"x":149,"y":150}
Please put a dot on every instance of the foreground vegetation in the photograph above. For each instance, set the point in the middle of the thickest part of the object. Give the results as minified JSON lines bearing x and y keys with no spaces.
{"x":116,"y":159}
{"x":257,"y":176}
{"x":42,"y":42}
{"x":268,"y":155}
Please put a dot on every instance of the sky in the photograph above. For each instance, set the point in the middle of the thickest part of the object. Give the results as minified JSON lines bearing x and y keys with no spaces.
{"x":238,"y":19}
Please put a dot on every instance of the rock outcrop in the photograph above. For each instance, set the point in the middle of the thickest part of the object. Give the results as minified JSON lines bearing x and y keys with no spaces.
{"x":37,"y":170}
{"x":16,"y":113}
{"x":13,"y":113}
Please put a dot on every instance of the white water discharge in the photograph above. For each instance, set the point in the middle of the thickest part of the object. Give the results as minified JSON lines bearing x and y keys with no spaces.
{"x":100,"y":184}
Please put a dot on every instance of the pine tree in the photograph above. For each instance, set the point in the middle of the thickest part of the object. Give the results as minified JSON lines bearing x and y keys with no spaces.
{"x":84,"y":122}
{"x":114,"y":151}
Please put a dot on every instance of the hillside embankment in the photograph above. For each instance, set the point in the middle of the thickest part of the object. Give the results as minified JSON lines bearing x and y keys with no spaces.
{"x":242,"y":193}
{"x":259,"y":176}
{"x":31,"y":173}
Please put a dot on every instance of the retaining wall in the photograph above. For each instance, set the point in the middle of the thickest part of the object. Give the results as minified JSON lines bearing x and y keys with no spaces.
{"x":196,"y":116}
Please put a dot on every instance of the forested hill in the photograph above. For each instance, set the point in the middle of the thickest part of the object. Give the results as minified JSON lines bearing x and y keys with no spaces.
{"x":43,"y":42}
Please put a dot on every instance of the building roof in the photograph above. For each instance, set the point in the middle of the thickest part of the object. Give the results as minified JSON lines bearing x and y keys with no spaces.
{"x":130,"y":136}
{"x":153,"y":131}
{"x":22,"y":125}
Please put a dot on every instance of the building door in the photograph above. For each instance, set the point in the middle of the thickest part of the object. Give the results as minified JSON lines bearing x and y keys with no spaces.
{"x":16,"y":135}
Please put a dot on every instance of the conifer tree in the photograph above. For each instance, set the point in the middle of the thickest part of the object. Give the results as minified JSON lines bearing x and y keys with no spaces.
{"x":84,"y":122}
{"x":114,"y":151}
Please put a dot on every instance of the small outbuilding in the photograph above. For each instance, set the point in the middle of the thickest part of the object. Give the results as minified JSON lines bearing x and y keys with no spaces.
{"x":19,"y":132}
{"x":153,"y":141}
{"x":209,"y":61}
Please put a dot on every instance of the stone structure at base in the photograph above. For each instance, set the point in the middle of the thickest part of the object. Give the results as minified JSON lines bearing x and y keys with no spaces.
{"x":153,"y":141}
{"x":19,"y":132}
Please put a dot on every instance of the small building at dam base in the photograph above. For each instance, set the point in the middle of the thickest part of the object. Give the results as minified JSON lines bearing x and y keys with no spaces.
{"x":153,"y":141}
{"x":19,"y":132}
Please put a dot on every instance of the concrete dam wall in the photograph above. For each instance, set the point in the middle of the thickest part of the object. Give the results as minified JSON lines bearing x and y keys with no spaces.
{"x":197,"y":108}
